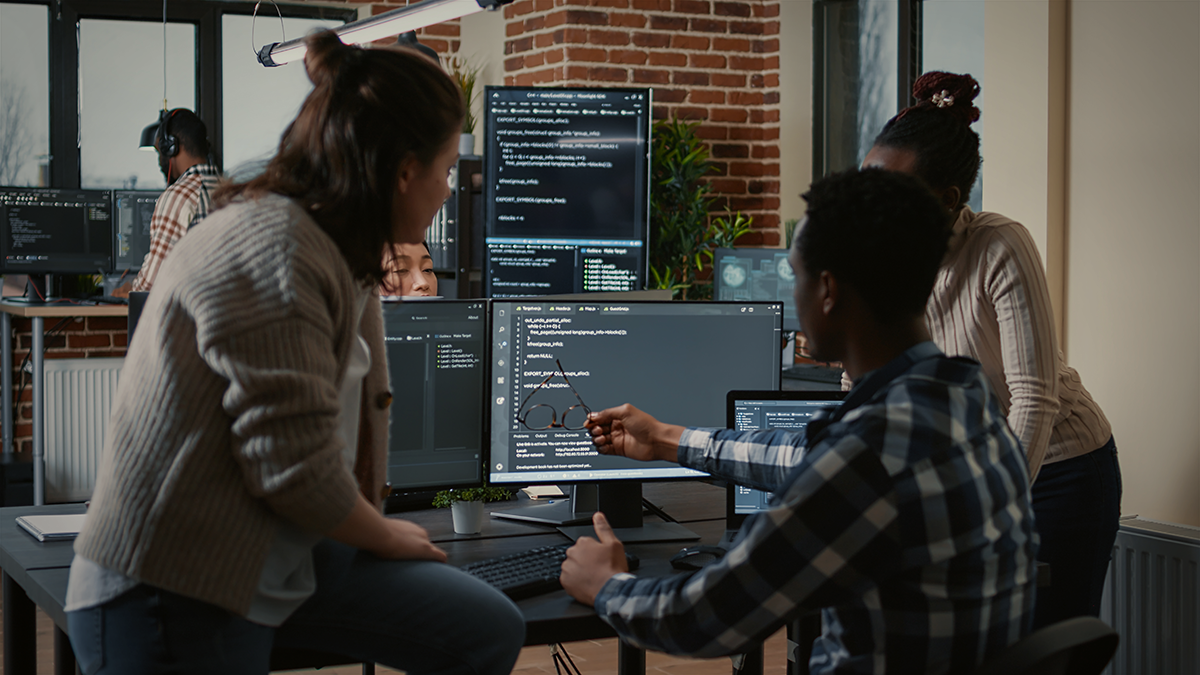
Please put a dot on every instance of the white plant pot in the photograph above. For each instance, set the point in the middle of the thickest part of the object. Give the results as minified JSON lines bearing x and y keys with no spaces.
{"x":466,"y":144}
{"x":468,"y":517}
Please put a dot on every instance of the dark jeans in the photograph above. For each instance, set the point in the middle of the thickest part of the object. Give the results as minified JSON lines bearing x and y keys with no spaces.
{"x":420,"y":617}
{"x":1077,"y":503}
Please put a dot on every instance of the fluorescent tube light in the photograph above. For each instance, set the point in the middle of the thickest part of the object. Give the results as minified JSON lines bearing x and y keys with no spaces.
{"x":380,"y":26}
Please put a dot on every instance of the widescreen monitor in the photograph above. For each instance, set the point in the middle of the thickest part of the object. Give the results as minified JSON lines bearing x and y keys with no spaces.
{"x":436,"y":351}
{"x":55,"y":231}
{"x":741,"y":274}
{"x":132,"y":211}
{"x":674,"y":360}
{"x":566,"y":190}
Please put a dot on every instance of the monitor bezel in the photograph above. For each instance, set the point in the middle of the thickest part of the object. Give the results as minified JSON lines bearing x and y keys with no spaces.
{"x":543,"y":299}
{"x":489,"y":208}
{"x":485,"y":422}
{"x":116,"y":267}
{"x":734,"y":520}
{"x":104,"y":195}
{"x":789,"y":323}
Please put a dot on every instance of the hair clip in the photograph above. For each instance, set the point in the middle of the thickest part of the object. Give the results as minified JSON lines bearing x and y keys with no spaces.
{"x":942,"y":99}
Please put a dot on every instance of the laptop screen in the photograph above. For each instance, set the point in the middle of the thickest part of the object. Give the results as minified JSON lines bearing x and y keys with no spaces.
{"x":751,"y":410}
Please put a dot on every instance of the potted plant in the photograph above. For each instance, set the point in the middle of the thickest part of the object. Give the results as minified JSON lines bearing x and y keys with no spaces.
{"x":682,"y":235}
{"x":467,"y":76}
{"x":466,"y":505}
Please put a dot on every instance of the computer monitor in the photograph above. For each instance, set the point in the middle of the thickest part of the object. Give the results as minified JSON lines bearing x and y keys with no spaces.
{"x":132,"y":210}
{"x":436,"y":351}
{"x":742,"y":274}
{"x":566,"y":190}
{"x":674,"y":360}
{"x":55,"y":231}
{"x":751,"y":410}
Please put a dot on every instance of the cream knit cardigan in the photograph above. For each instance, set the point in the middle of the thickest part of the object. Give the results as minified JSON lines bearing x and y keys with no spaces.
{"x":225,"y":417}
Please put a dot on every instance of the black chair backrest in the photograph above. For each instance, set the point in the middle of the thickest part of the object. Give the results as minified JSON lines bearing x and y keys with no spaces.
{"x":137,"y":300}
{"x":1080,"y":646}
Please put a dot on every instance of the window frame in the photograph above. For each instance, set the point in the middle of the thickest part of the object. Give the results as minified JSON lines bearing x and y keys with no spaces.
{"x":206,"y":15}
{"x":908,"y":62}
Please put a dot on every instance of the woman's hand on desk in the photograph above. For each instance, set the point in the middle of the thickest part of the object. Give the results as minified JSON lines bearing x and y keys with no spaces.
{"x":629,"y":432}
{"x":366,"y":528}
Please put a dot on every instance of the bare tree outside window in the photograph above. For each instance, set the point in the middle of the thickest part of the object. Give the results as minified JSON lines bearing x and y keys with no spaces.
{"x":16,"y":141}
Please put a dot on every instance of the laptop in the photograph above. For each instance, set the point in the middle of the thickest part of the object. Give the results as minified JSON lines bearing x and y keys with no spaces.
{"x":747,"y":410}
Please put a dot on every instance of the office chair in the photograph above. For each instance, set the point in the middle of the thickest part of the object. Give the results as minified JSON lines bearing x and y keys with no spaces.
{"x":1080,"y":646}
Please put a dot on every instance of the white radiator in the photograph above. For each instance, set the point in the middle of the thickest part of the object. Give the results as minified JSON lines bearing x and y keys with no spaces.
{"x":79,"y":394}
{"x":1152,"y":598}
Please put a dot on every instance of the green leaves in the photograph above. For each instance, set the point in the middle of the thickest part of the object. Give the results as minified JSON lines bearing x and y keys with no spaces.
{"x":682,"y":235}
{"x":445,"y":498}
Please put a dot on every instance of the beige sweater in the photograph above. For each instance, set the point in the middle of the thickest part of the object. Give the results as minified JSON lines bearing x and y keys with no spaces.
{"x":226,"y":415}
{"x":991,"y":303}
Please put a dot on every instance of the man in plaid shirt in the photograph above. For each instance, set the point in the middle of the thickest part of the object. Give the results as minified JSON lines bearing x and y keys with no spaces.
{"x":191,"y":179}
{"x":902,"y":514}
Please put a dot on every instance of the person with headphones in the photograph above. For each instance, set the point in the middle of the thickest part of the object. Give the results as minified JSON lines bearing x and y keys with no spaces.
{"x":192,"y":176}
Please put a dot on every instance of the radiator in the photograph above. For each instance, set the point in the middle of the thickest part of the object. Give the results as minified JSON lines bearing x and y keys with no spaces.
{"x":1152,"y":598}
{"x":79,"y":393}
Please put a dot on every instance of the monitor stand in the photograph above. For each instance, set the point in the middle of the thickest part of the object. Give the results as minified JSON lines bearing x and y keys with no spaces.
{"x":621,"y":502}
{"x":45,"y":292}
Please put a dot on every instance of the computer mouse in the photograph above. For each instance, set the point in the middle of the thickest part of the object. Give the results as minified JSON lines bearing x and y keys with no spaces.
{"x":695,"y":557}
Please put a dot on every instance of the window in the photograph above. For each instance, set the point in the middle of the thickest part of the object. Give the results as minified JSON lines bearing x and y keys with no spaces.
{"x":952,"y":40}
{"x":106,"y":62}
{"x":24,"y":95}
{"x":863,"y":74}
{"x":259,"y":102}
{"x":122,"y":86}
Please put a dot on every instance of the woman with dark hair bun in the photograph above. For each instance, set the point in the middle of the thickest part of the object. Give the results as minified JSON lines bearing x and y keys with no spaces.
{"x":991,"y":303}
{"x":238,"y":502}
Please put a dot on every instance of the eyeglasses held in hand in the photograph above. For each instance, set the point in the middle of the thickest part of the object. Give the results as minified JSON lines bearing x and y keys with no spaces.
{"x":543,"y":416}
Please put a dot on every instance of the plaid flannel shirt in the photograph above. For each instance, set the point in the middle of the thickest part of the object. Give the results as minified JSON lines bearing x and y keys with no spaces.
{"x":180,"y":206}
{"x":904,"y":513}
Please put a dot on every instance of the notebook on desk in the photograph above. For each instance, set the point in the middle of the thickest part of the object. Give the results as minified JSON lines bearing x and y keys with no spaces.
{"x":53,"y":527}
{"x":751,"y":410}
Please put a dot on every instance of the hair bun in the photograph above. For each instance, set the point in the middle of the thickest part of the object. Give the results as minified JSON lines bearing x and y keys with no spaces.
{"x":950,"y":92}
{"x":326,"y":56}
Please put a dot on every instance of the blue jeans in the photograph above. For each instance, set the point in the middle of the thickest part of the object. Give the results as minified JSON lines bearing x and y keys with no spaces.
{"x":419,"y":617}
{"x":1076,"y":503}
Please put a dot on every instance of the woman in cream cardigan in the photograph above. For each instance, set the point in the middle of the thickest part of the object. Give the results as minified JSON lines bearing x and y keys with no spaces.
{"x":991,"y":303}
{"x":238,"y":502}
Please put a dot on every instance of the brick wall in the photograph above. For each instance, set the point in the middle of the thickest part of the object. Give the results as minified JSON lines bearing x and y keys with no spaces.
{"x":69,"y":338}
{"x":716,"y":62}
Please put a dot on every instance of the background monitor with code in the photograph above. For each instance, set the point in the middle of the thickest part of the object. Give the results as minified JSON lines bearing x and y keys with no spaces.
{"x":132,"y":210}
{"x":743,"y":274}
{"x":436,"y":351}
{"x":674,"y":360}
{"x":55,"y":231}
{"x":566,"y":190}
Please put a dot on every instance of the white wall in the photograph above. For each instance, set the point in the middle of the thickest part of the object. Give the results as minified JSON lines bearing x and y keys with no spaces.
{"x":483,"y":45}
{"x":795,"y":107}
{"x":1133,"y":239}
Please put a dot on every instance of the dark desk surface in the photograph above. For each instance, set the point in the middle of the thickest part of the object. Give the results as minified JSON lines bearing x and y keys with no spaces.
{"x":41,"y":568}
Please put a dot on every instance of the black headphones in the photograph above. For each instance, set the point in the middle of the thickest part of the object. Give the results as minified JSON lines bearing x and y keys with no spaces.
{"x":168,"y":143}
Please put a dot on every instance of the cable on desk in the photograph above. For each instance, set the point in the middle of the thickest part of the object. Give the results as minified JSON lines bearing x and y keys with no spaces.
{"x":558,"y":652}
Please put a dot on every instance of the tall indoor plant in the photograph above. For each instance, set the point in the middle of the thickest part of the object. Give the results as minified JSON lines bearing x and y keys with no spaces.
{"x":682,"y":234}
{"x":467,"y":76}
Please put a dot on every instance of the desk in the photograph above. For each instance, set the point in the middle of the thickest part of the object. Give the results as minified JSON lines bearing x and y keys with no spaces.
{"x":35,"y":573}
{"x":38,"y":314}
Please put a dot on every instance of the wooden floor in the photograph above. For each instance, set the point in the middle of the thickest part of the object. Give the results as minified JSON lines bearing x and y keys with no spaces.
{"x":592,"y":657}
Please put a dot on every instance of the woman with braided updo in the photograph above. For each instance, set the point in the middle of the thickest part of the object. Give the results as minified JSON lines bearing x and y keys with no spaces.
{"x":991,"y":303}
{"x":238,"y":503}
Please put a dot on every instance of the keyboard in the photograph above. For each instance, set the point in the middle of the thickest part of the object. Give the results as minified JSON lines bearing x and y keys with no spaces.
{"x":813,"y":373}
{"x":108,"y":300}
{"x":528,"y":573}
